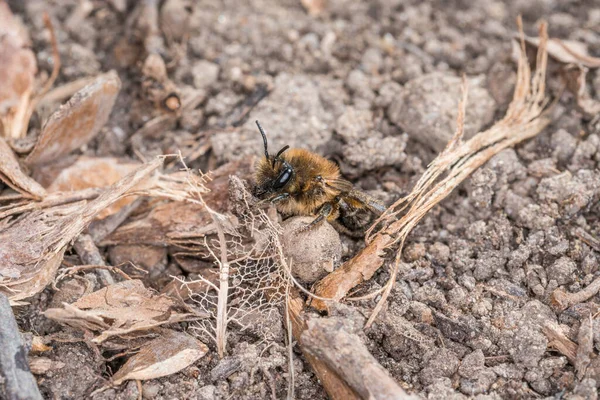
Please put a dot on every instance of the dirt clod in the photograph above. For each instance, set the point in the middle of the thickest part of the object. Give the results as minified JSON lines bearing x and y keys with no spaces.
{"x":313,"y":254}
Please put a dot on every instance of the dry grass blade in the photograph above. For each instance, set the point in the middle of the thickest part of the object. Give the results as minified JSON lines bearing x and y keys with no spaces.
{"x":524,"y":119}
{"x":32,"y":248}
{"x":77,"y":121}
{"x":13,"y":176}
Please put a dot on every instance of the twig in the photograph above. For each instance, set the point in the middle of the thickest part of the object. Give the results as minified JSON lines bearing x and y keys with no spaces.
{"x":345,"y":354}
{"x":221,"y":329}
{"x":19,"y":383}
{"x":89,"y":254}
{"x":98,"y":230}
{"x":335,"y":386}
{"x":562,"y":300}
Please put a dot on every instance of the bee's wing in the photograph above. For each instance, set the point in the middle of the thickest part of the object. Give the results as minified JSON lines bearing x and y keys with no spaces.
{"x":341,"y":185}
{"x":359,"y":198}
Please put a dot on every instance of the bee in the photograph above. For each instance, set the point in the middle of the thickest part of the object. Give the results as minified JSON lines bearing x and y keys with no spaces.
{"x":300,"y":182}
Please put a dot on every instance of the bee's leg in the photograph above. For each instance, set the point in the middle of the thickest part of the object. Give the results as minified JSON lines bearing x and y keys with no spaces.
{"x":324,"y":212}
{"x":275,"y":199}
{"x":280,"y":197}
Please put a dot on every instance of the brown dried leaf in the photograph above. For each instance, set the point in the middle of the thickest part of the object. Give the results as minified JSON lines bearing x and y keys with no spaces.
{"x":95,"y":172}
{"x":13,"y":176}
{"x":77,"y":121}
{"x":163,"y":221}
{"x":35,"y":244}
{"x":118,"y":309}
{"x":164,"y":356}
{"x":126,"y":301}
{"x":17,"y":74}
{"x":567,"y":51}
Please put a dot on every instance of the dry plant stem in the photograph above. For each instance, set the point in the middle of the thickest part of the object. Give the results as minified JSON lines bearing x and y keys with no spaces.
{"x":563,"y":300}
{"x":52,"y":200}
{"x":89,"y":254}
{"x":221,"y":328}
{"x":345,"y":353}
{"x":335,"y":386}
{"x":524,"y":119}
{"x":19,"y":383}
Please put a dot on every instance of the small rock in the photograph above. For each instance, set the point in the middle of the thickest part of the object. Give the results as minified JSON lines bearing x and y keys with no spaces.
{"x":205,"y":74}
{"x":562,"y":270}
{"x":528,"y":346}
{"x":313,"y":253}
{"x":150,"y":389}
{"x":428,"y":108}
{"x":564,"y":145}
{"x":354,"y":124}
{"x":374,"y":152}
{"x":208,"y":392}
{"x":471,"y":364}
{"x":444,"y":363}
{"x":479,"y":384}
{"x":439,"y":252}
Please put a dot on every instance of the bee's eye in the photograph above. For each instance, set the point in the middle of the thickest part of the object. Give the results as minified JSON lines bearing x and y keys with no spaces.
{"x":283,"y":178}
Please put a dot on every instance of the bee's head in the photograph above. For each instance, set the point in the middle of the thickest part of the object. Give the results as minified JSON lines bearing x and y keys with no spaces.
{"x":273,"y":174}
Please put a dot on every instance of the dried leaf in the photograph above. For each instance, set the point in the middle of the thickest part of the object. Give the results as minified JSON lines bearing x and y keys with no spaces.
{"x":13,"y":176}
{"x":567,"y":51}
{"x":95,"y":172}
{"x":17,"y":74}
{"x":126,"y":301}
{"x":118,"y":309}
{"x":35,"y":244}
{"x":164,"y":356}
{"x":77,"y":121}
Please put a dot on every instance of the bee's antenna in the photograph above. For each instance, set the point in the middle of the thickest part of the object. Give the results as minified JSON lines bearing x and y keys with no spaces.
{"x":264,"y":136}
{"x":282,"y":150}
